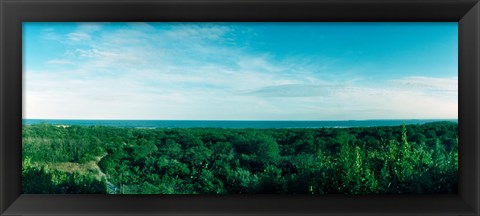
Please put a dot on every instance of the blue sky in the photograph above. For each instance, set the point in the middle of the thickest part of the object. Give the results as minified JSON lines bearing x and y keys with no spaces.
{"x":240,"y":71}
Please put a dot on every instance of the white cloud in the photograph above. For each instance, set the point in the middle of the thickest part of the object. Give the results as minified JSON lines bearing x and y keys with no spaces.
{"x":196,"y":32}
{"x":50,"y":34}
{"x":294,"y":90}
{"x":430,"y":83}
{"x":59,"y":62}
{"x":78,"y":36}
{"x":81,"y":34}
{"x":128,"y":97}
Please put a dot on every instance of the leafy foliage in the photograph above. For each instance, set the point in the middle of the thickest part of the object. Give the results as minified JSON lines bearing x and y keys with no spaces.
{"x":358,"y":160}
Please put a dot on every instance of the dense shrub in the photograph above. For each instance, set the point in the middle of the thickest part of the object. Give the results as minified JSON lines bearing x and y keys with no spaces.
{"x":359,"y":160}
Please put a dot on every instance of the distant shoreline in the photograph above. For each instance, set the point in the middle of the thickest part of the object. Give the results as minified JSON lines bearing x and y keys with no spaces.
{"x":242,"y":120}
{"x":150,"y":124}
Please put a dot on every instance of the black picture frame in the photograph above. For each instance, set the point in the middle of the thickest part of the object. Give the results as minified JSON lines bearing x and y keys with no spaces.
{"x":14,"y":12}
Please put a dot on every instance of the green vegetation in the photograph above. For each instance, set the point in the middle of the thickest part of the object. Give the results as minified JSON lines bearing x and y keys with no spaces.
{"x":364,"y":160}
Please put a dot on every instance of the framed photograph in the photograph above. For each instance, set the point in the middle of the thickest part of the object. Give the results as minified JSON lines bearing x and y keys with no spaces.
{"x":239,"y":107}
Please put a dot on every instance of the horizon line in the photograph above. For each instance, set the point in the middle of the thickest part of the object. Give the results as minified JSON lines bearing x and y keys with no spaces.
{"x":412,"y":119}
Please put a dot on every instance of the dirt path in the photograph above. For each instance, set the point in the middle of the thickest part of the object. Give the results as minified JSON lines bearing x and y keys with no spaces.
{"x":100,"y":172}
{"x":111,"y":188}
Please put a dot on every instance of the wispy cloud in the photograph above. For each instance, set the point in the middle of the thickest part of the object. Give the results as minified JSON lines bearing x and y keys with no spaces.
{"x":83,"y":32}
{"x":50,"y":34}
{"x":78,"y":36}
{"x":294,"y":90}
{"x":59,"y":62}
{"x":429,"y":83}
{"x":196,"y":32}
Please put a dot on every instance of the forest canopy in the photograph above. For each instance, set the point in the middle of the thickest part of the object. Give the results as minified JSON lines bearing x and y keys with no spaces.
{"x":418,"y":159}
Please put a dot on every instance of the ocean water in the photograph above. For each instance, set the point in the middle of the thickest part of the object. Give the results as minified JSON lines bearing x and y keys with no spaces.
{"x":231,"y":124}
